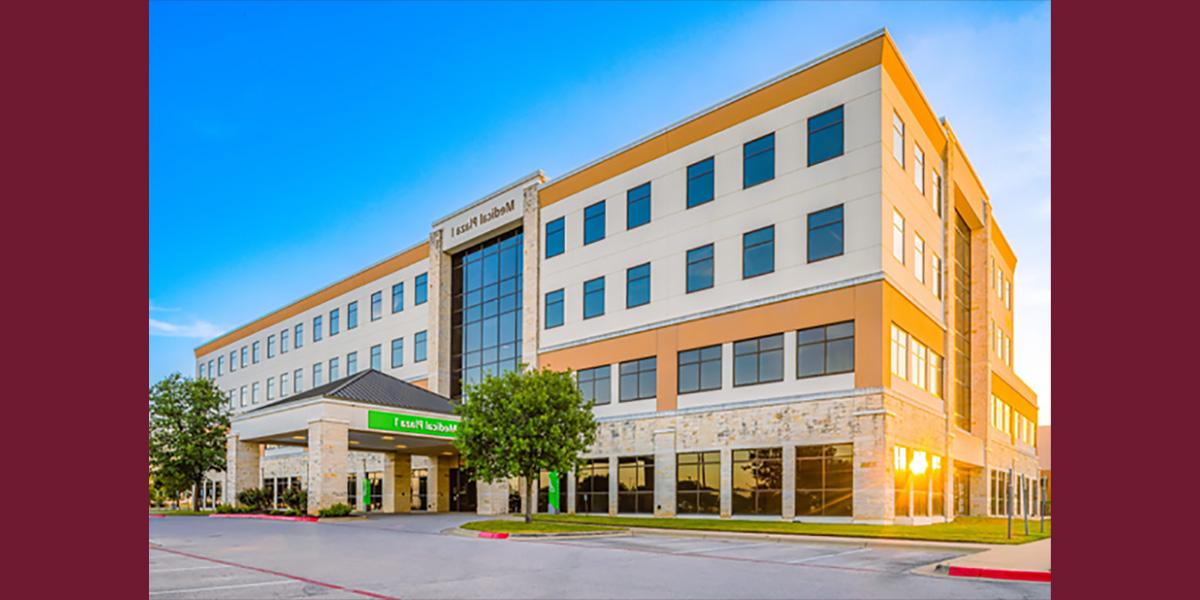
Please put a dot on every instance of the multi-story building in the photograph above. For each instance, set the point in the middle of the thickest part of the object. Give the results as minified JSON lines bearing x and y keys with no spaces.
{"x":794,"y":304}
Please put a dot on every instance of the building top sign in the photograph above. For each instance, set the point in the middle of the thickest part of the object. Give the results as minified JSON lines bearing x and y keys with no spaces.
{"x":486,"y":216}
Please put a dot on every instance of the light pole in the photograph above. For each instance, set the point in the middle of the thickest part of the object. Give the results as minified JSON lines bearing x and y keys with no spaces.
{"x":1008,"y":497}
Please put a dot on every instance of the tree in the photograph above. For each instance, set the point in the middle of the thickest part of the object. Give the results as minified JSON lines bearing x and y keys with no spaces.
{"x":188,"y":423}
{"x":522,"y":423}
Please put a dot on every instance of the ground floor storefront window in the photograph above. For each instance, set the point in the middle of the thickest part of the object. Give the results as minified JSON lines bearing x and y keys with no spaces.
{"x":825,"y":480}
{"x":998,"y":492}
{"x":758,"y":481}
{"x":698,"y":483}
{"x":275,"y":488}
{"x":373,"y":491}
{"x":635,"y":484}
{"x":420,"y":489}
{"x":919,"y":483}
{"x":591,"y":486}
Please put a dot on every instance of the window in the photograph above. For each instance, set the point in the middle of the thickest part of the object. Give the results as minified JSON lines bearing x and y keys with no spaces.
{"x":334,"y":370}
{"x":595,"y":384}
{"x":758,"y":252}
{"x":759,"y":360}
{"x":825,"y":480}
{"x":271,"y":346}
{"x":283,"y":341}
{"x":398,"y":297}
{"x":637,"y":206}
{"x":299,"y":331}
{"x":593,"y":223}
{"x":377,"y":357}
{"x":825,"y":350}
{"x":201,"y":369}
{"x":256,"y":352}
{"x":283,"y":385}
{"x":698,"y":483}
{"x":937,"y":192}
{"x":898,"y":139}
{"x":317,"y":377}
{"x":334,"y":322}
{"x":485,"y":337}
{"x":637,"y":285}
{"x":900,"y":479}
{"x":935,"y":269}
{"x":919,"y":257}
{"x":899,"y":352}
{"x":758,"y":481}
{"x":635,"y":484}
{"x":758,"y":161}
{"x":919,"y":168}
{"x":825,"y":136}
{"x":700,"y":268}
{"x":936,"y":374}
{"x":593,"y":298}
{"x":556,"y":241}
{"x":376,"y":306}
{"x":554,"y":309}
{"x":638,"y":379}
{"x":1008,"y":294}
{"x":917,"y":366}
{"x":254,"y":393}
{"x":700,"y":188}
{"x":591,"y":486}
{"x":700,"y":369}
{"x":220,"y":365}
{"x":421,"y":295}
{"x":351,"y":315}
{"x":298,"y":380}
{"x":242,"y":399}
{"x":898,"y":236}
{"x":270,"y":389}
{"x":398,"y":353}
{"x":419,"y":346}
{"x":245,"y":357}
{"x":826,"y":234}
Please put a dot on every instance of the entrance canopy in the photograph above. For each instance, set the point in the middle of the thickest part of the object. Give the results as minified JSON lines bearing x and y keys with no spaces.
{"x":383,"y":414}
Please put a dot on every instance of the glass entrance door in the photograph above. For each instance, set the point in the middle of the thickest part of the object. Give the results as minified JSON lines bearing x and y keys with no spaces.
{"x":420,"y":487}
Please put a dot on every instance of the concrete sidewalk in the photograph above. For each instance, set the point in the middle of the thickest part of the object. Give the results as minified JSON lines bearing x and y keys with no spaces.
{"x":1028,"y":562}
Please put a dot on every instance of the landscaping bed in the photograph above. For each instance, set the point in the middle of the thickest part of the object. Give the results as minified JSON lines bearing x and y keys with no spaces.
{"x":536,"y":527}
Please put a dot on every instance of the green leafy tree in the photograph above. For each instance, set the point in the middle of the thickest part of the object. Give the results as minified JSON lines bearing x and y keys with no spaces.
{"x":522,"y":423}
{"x":188,"y":424}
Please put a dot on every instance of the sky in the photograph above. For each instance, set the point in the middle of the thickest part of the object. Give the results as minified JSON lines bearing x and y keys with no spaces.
{"x":295,"y":143}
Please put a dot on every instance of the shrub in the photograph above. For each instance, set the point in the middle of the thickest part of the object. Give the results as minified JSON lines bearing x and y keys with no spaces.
{"x":254,"y":498}
{"x":340,"y":509}
{"x":296,"y":499}
{"x":227,"y":509}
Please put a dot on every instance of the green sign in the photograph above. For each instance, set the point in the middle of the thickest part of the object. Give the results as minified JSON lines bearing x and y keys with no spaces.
{"x":411,"y":424}
{"x":554,"y":492}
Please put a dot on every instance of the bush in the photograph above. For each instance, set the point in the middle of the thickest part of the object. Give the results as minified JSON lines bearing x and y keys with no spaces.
{"x":296,"y":499}
{"x":227,"y":509}
{"x":340,"y":509}
{"x":257,"y":499}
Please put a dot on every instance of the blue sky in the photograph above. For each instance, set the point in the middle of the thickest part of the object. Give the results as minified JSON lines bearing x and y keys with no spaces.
{"x":292,"y":144}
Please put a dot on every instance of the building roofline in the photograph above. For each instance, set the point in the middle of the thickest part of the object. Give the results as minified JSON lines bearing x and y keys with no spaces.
{"x":537,"y":174}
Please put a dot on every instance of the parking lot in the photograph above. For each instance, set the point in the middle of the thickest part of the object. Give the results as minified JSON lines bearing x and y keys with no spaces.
{"x":409,"y":557}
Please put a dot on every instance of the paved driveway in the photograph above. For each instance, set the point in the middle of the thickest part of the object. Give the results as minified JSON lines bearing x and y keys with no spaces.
{"x":408,"y":557}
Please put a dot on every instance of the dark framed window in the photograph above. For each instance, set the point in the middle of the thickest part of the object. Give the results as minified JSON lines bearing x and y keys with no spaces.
{"x":698,"y":483}
{"x":758,"y":481}
{"x":635,"y":484}
{"x":244,"y":355}
{"x":826,"y":136}
{"x":825,"y":480}
{"x":700,"y":268}
{"x":420,"y":346}
{"x":591,"y":486}
{"x":271,"y":346}
{"x":376,"y":306}
{"x":398,"y":353}
{"x":637,"y":285}
{"x":377,"y":357}
{"x":352,"y":315}
{"x":593,"y":223}
{"x":556,"y":241}
{"x":826,"y":234}
{"x":700,"y":183}
{"x":284,"y":336}
{"x":759,"y":360}
{"x":351,"y":363}
{"x":334,"y":371}
{"x":335,"y":322}
{"x":637,"y":206}
{"x":317,"y":330}
{"x":758,"y":161}
{"x":595,"y":384}
{"x":700,"y":369}
{"x":825,"y":350}
{"x":593,"y":298}
{"x":758,"y":252}
{"x":638,"y":379}
{"x":554,"y":309}
{"x":486,"y":299}
{"x":299,"y":335}
{"x":398,"y":297}
{"x":421,"y":295}
{"x":256,"y":352}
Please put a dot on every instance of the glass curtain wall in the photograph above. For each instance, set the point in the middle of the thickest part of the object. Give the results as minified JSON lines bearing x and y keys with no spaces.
{"x":486,"y":290}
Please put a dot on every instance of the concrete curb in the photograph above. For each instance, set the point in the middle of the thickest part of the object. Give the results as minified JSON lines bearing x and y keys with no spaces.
{"x":264,"y":517}
{"x":969,"y":547}
{"x":459,"y":531}
{"x":985,"y":573}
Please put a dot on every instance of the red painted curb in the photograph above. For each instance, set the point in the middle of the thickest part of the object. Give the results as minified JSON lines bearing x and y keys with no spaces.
{"x":157,"y":516}
{"x":1000,"y":574}
{"x":493,"y":535}
{"x":265,"y":517}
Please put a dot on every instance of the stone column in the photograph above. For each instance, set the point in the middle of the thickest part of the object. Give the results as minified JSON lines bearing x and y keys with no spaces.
{"x":438,"y":486}
{"x":328,"y":455}
{"x":664,"y":473}
{"x":438,"y":336}
{"x":726,"y":482}
{"x":397,"y":482}
{"x":531,"y":297}
{"x":789,"y":481}
{"x":570,"y":493}
{"x":241,"y":467}
{"x":613,"y":488}
{"x":491,"y":498}
{"x":874,"y":500}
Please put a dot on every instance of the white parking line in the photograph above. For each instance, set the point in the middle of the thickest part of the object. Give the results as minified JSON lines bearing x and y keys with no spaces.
{"x":723,"y":547}
{"x":821,"y":556}
{"x":224,"y":587}
{"x":152,"y":571}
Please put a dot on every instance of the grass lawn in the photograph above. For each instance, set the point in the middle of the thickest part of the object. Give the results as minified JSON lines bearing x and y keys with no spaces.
{"x":505,"y":526}
{"x":963,"y":529}
{"x":179,"y":513}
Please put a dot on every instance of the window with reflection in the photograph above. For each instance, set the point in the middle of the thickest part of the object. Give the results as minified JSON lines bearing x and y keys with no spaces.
{"x":825,"y":350}
{"x":635,"y":484}
{"x":700,"y":369}
{"x":759,"y":360}
{"x":758,"y":481}
{"x":825,"y":480}
{"x":595,"y":384}
{"x":638,"y":378}
{"x":758,"y":160}
{"x":826,"y":138}
{"x":486,"y":310}
{"x":700,"y":183}
{"x":698,"y":483}
{"x":591,"y":486}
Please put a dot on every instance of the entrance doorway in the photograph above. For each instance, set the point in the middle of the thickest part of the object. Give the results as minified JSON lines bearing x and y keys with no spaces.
{"x":462,"y":491}
{"x":962,"y":492}
{"x":420,"y":489}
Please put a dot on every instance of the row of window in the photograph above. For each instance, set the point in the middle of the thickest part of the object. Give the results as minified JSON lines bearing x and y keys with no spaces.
{"x":824,"y":350}
{"x":1023,"y":491}
{"x":826,"y":140}
{"x":238,"y":397}
{"x":919,"y":489}
{"x":1004,"y":418}
{"x":916,"y":363}
{"x":918,"y":165}
{"x":1002,"y":283}
{"x":294,"y":337}
{"x":1001,"y":343}
{"x":825,"y":240}
{"x":936,"y":271}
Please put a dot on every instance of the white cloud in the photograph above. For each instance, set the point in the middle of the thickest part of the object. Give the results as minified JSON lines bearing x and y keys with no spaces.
{"x":196,"y":329}
{"x":156,"y":308}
